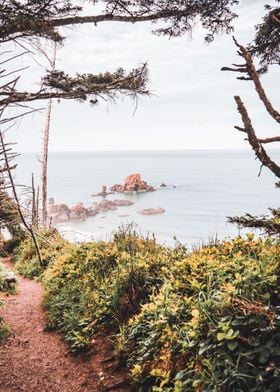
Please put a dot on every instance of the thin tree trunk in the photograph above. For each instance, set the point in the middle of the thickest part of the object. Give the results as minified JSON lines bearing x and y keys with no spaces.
{"x":34,"y":207}
{"x":25,"y":224}
{"x":37,"y":205}
{"x":46,"y":151}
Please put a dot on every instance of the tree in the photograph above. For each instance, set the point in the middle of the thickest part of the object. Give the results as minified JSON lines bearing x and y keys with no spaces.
{"x":42,"y":18}
{"x":250,"y":73}
{"x":266,"y":48}
{"x":45,"y":153}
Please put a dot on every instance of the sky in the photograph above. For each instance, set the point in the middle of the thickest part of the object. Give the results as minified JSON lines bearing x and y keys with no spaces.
{"x":191,"y":106}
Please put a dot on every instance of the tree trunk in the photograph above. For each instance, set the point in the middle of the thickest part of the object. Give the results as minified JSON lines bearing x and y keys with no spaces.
{"x":46,"y":152}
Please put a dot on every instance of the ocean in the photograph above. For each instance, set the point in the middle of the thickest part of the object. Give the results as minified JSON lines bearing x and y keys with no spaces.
{"x":203,"y":189}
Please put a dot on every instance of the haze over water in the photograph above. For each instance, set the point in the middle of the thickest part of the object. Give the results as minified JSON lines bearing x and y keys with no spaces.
{"x":210,"y":185}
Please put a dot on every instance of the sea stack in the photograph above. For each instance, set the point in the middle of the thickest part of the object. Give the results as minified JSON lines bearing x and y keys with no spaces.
{"x":133,"y":183}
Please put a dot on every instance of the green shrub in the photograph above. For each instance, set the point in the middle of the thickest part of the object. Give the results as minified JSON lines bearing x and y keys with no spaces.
{"x":205,"y":321}
{"x":4,"y":328}
{"x":214,"y":325}
{"x":4,"y":286}
{"x":11,"y":244}
{"x":25,"y":255}
{"x":103,"y":284}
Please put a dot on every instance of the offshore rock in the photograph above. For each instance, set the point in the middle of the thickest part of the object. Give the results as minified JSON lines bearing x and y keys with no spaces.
{"x":107,"y":205}
{"x":151,"y":211}
{"x":79,"y":212}
{"x":133,"y":183}
{"x":58,"y":212}
{"x":103,"y":192}
{"x":122,"y":203}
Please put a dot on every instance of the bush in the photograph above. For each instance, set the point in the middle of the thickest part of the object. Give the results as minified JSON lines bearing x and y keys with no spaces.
{"x":205,"y":321}
{"x":4,"y":285}
{"x":25,"y":255}
{"x":103,"y":284}
{"x":214,"y":325}
{"x":4,"y":329}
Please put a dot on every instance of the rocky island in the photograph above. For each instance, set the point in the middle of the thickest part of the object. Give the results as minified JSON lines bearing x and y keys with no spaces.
{"x":133,"y":183}
{"x":59,"y":213}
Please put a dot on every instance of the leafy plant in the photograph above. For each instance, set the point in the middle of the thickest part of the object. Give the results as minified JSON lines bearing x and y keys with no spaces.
{"x":4,"y":283}
{"x":4,"y":328}
{"x":204,"y":321}
{"x":25,"y":255}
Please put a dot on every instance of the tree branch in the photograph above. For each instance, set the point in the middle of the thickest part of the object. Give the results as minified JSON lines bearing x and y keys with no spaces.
{"x":270,"y":140}
{"x":254,"y":76}
{"x":59,"y":85}
{"x":253,"y":140}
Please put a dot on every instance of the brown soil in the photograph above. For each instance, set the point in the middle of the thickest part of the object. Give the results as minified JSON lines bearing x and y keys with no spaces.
{"x":33,"y":360}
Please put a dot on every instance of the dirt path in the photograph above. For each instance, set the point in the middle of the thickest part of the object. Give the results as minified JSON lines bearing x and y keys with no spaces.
{"x":32,"y":360}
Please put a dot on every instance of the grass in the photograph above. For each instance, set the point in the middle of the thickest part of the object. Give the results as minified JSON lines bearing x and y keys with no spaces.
{"x":208,"y":320}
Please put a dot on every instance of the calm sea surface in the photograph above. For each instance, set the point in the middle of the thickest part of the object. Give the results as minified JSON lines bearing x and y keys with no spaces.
{"x":209,"y":186}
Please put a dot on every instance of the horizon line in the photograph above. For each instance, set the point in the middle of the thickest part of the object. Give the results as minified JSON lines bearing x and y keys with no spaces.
{"x":147,"y":150}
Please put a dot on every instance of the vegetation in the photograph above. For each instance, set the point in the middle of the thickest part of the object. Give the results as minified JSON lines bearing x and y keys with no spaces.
{"x":216,"y":326}
{"x":9,"y":216}
{"x":256,"y":60}
{"x":4,"y":272}
{"x":4,"y":328}
{"x":97,"y":283}
{"x":204,"y":321}
{"x":268,"y":224}
{"x":26,"y":257}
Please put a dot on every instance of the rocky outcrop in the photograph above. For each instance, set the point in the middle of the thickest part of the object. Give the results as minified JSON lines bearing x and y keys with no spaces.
{"x":59,"y":213}
{"x":122,"y":203}
{"x":151,"y":211}
{"x":133,"y":183}
{"x":79,"y":212}
{"x":104,"y":205}
{"x":107,"y":205}
{"x":103,"y":192}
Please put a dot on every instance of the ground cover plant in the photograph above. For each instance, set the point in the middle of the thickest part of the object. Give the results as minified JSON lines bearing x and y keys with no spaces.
{"x":25,"y":255}
{"x":103,"y":284}
{"x":215,"y":323}
{"x":4,"y":287}
{"x":208,"y":320}
{"x":4,"y":284}
{"x":4,"y":329}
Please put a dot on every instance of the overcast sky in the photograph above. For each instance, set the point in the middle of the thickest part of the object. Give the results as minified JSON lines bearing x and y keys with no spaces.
{"x":192,"y":105}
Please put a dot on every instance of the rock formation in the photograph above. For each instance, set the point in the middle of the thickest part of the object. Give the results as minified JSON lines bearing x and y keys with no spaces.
{"x":79,"y":212}
{"x":103,"y":192}
{"x":107,"y":205}
{"x":58,"y":212}
{"x":62,"y":213}
{"x":151,"y":211}
{"x":132,"y":183}
{"x":122,"y":203}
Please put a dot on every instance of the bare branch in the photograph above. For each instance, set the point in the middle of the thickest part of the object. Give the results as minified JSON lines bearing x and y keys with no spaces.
{"x":270,"y":140}
{"x":253,"y":140}
{"x":253,"y":75}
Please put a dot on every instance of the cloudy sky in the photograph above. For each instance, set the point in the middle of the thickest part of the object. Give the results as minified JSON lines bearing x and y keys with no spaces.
{"x":191,"y":106}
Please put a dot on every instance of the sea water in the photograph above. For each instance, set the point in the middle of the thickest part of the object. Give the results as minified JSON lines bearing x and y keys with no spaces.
{"x":203,"y":189}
